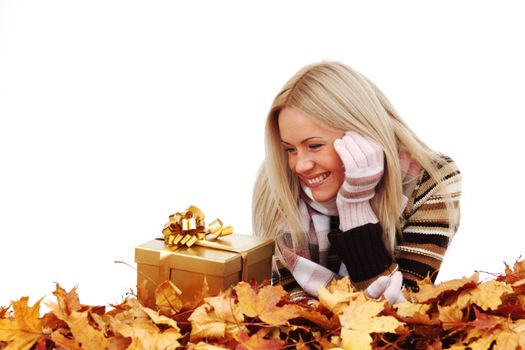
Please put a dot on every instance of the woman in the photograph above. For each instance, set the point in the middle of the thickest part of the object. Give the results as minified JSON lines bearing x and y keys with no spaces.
{"x":346,"y":188}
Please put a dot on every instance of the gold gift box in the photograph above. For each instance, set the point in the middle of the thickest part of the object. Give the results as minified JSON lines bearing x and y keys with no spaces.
{"x":186,"y":267}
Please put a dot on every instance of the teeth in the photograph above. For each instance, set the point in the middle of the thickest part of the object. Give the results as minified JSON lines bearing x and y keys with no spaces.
{"x":318,"y":179}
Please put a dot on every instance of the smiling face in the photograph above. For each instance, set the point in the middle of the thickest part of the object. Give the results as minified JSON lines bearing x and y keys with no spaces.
{"x":311,"y":154}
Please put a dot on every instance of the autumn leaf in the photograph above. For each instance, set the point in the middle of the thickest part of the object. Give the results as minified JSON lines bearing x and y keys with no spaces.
{"x":486,"y":295}
{"x":360,"y":319}
{"x":217,"y":318}
{"x":408,"y":309}
{"x":25,"y":328}
{"x":264,"y":304}
{"x":320,"y":319}
{"x":337,"y":296}
{"x":140,"y":324}
{"x":257,"y":342}
{"x":167,"y":298}
{"x":67,"y":301}
{"x":204,"y":346}
{"x":429,"y":292}
{"x":450,"y":314}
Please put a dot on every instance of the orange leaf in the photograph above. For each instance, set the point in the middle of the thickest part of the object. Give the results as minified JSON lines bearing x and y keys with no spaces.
{"x":337,"y":296}
{"x":217,"y":318}
{"x":24,"y":330}
{"x":167,"y":298}
{"x":67,"y":301}
{"x":257,"y":342}
{"x":429,"y":292}
{"x":360,"y":319}
{"x":264,"y":304}
{"x":486,"y":295}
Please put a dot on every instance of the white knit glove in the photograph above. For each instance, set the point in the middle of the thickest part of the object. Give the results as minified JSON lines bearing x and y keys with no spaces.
{"x":363,"y":160}
{"x":389,"y":286}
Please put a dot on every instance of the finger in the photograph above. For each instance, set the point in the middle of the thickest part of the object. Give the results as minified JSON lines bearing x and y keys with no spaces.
{"x":344,"y":154}
{"x":377,"y":288}
{"x":354,"y":150}
{"x":371,"y":149}
{"x":393,"y":290}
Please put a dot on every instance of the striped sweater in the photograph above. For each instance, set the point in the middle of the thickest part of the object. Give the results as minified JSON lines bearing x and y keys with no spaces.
{"x":425,"y":234}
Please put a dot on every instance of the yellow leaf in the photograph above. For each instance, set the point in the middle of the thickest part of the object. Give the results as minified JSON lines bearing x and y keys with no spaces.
{"x":217,"y":318}
{"x":408,"y":309}
{"x":355,"y":340}
{"x":167,"y":297}
{"x":24,"y":330}
{"x":450,"y":314}
{"x":486,"y":295}
{"x":138,"y":324}
{"x":361,"y":318}
{"x":337,"y":296}
{"x":264,"y":304}
{"x":429,"y":292}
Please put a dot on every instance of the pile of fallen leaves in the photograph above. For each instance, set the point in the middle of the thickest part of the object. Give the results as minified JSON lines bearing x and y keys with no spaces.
{"x":457,"y":314}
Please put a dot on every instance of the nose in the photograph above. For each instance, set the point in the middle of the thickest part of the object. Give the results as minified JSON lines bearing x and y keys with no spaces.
{"x":303,"y":163}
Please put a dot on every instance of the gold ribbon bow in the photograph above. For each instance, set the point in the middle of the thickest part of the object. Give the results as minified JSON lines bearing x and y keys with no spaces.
{"x":188,"y":228}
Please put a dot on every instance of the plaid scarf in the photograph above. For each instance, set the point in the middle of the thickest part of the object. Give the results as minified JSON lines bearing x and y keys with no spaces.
{"x":309,"y":268}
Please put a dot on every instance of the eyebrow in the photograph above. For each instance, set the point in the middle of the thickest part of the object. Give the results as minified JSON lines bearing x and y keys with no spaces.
{"x":303,"y":141}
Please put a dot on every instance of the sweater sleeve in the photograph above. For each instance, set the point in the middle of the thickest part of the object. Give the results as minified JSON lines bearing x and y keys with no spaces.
{"x":430,"y":222}
{"x":363,"y":253}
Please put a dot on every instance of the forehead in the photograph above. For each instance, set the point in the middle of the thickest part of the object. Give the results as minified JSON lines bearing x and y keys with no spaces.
{"x":296,"y":126}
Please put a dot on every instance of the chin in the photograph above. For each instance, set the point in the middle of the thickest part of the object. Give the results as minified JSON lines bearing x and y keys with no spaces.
{"x":323,"y":197}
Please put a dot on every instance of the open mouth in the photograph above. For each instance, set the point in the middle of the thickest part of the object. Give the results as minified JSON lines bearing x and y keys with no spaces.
{"x":318,"y":180}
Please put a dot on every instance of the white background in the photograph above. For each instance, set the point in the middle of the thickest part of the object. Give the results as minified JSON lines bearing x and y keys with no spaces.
{"x":115,"y":114}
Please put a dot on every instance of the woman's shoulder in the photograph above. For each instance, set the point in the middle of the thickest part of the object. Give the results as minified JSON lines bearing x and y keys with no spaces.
{"x":443,"y":180}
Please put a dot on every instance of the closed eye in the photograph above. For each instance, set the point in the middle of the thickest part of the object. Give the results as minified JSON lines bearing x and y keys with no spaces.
{"x":315,"y":146}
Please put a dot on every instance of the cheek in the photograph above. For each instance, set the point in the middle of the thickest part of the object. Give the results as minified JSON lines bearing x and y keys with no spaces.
{"x":291,"y":163}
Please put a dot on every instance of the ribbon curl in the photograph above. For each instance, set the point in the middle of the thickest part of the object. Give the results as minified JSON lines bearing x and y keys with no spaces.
{"x":188,"y":228}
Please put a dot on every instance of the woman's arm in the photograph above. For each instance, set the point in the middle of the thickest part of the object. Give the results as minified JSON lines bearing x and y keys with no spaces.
{"x":428,"y":227}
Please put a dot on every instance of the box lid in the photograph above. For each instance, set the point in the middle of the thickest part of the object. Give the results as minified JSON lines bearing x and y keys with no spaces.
{"x":206,"y":260}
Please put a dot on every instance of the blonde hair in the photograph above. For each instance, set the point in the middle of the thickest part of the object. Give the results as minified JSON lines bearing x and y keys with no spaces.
{"x":339,"y":97}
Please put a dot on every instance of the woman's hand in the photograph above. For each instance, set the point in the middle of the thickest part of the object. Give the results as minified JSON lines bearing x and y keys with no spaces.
{"x":389,"y":286}
{"x":363,"y":160}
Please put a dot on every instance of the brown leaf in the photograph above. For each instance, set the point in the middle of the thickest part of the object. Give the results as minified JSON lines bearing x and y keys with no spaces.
{"x":264,"y":304}
{"x":24,"y":330}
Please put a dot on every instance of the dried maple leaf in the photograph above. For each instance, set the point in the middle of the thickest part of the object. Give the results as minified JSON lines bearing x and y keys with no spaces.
{"x":67,"y":301}
{"x":320,"y":319}
{"x":167,"y":298}
{"x":78,"y":321}
{"x":264,"y":304}
{"x":428,"y":292}
{"x":360,"y":319}
{"x":486,"y":295}
{"x":408,"y":309}
{"x":23,"y":331}
{"x":219,"y":317}
{"x":257,"y":342}
{"x":140,"y":324}
{"x":337,"y":296}
{"x":204,"y":346}
{"x":450,"y":314}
